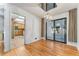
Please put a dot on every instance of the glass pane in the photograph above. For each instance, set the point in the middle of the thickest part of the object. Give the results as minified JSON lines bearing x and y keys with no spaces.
{"x":51,"y":6}
{"x":50,"y":30}
{"x":60,"y":30}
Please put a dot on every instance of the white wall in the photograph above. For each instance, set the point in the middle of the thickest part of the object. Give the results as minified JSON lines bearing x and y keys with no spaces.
{"x":6,"y":28}
{"x":78,"y":27}
{"x":32,"y":29}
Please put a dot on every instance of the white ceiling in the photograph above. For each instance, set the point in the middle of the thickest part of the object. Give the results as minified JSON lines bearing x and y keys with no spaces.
{"x":36,"y":10}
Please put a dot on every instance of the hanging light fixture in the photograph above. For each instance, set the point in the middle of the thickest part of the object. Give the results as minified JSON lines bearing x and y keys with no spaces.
{"x":48,"y":16}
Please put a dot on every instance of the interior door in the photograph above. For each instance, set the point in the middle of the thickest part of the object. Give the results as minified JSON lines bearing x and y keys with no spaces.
{"x":60,"y":30}
{"x":50,"y":30}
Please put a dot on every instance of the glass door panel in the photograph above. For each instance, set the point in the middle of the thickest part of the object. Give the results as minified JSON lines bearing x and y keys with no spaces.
{"x":60,"y":30}
{"x":50,"y":30}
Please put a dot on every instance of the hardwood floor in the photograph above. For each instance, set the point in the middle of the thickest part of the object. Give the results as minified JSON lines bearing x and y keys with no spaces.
{"x":44,"y":48}
{"x":1,"y":47}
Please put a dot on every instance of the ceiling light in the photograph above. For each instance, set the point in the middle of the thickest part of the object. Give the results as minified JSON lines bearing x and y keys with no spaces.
{"x":19,"y":20}
{"x":48,"y":16}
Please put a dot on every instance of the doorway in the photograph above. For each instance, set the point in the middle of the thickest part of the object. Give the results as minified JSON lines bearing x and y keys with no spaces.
{"x":56,"y":30}
{"x":18,"y":28}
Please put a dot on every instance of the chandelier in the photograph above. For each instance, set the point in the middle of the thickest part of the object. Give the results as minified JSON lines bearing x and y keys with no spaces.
{"x":48,"y":16}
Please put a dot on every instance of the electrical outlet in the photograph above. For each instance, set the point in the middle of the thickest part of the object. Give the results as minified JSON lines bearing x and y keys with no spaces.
{"x":35,"y":37}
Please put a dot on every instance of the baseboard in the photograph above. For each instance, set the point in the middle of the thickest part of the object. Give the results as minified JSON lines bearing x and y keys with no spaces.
{"x":72,"y":44}
{"x":78,"y":48}
{"x":43,"y":38}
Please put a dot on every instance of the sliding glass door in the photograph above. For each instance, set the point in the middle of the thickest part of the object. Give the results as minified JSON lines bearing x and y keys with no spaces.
{"x":56,"y":30}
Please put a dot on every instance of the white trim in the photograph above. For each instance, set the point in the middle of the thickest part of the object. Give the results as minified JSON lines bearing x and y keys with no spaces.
{"x":43,"y":38}
{"x":72,"y":44}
